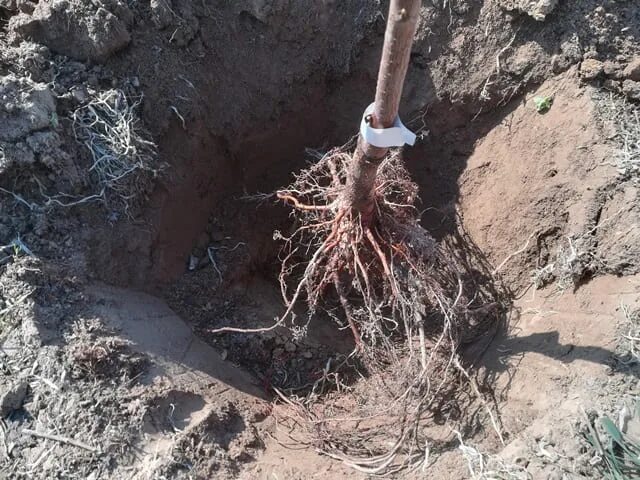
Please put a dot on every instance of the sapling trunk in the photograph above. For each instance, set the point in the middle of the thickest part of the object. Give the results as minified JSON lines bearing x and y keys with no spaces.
{"x":402,"y":22}
{"x":358,"y":247}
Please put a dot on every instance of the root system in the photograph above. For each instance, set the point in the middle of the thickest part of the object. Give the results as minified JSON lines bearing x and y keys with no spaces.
{"x":409,"y":302}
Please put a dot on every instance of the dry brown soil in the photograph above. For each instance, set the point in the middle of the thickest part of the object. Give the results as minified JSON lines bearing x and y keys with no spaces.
{"x":108,"y":368}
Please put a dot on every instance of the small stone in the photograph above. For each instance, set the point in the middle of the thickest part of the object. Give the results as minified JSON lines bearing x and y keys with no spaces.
{"x":92,"y":80}
{"x":591,"y":53}
{"x":632,"y":71}
{"x":259,"y":9}
{"x":12,"y":396}
{"x":307,"y":354}
{"x":611,"y":85}
{"x":43,"y":142}
{"x":161,"y":13}
{"x":591,"y":68}
{"x":555,"y":475}
{"x":80,"y":94}
{"x":203,"y":241}
{"x":277,"y":352}
{"x":631,"y":89}
{"x":217,"y":236}
{"x":538,"y":9}
{"x":25,"y":6}
{"x":521,"y":462}
{"x":571,"y":48}
{"x":204,"y":261}
{"x":557,"y":63}
{"x":16,"y":154}
{"x":612,"y":69}
{"x":290,"y":347}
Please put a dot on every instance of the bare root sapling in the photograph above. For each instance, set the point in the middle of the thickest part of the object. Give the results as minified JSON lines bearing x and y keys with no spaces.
{"x":358,"y":253}
{"x":358,"y":248}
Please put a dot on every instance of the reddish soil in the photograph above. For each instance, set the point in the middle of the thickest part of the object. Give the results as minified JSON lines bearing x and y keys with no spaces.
{"x":543,"y":204}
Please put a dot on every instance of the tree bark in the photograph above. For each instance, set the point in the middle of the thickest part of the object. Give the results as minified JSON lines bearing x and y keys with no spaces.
{"x":402,"y":22}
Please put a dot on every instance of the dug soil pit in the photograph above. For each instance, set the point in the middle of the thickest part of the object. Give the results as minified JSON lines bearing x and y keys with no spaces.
{"x":140,"y":150}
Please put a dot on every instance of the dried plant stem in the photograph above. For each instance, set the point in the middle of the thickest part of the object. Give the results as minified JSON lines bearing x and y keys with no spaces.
{"x":57,"y":438}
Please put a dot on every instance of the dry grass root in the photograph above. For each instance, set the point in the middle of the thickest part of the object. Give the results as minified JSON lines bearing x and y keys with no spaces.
{"x":123,"y":159}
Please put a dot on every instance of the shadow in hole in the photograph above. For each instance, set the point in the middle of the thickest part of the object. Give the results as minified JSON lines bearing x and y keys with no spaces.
{"x":507,"y":351}
{"x":489,"y":311}
{"x":497,"y":351}
{"x":159,"y":333}
{"x":437,"y":163}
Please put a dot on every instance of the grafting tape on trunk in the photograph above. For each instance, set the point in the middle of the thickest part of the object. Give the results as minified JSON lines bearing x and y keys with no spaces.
{"x":395,"y":136}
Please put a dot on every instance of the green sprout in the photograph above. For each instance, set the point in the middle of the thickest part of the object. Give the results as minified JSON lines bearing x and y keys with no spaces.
{"x":618,"y":455}
{"x":543,"y":104}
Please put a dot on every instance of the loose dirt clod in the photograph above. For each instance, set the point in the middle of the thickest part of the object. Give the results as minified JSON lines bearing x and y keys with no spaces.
{"x":87,"y":31}
{"x":538,"y":9}
{"x":12,"y":395}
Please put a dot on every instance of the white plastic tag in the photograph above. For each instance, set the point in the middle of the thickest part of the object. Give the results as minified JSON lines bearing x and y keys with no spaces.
{"x":396,"y":136}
